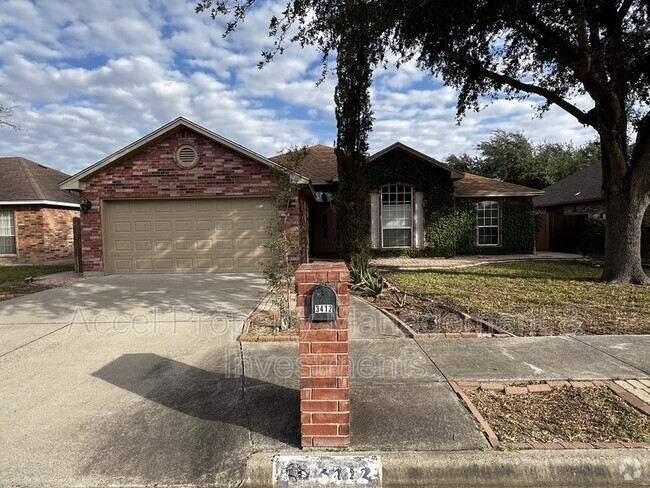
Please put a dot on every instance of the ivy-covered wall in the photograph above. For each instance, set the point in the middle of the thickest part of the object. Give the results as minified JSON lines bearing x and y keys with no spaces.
{"x":400,"y":167}
{"x":449,"y":225}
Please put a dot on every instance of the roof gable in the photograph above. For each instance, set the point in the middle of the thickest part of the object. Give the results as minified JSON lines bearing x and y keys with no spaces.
{"x":24,"y":182}
{"x":320,"y":166}
{"x":76,"y":182}
{"x":398,"y":146}
{"x":582,"y":186}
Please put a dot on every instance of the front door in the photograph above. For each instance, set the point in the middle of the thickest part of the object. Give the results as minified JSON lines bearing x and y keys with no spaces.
{"x":323,"y":221}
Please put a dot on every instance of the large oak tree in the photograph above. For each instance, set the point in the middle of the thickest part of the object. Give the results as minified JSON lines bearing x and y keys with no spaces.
{"x":550,"y":52}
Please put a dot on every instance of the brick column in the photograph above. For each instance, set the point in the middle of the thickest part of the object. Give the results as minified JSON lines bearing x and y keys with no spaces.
{"x":324,"y":361}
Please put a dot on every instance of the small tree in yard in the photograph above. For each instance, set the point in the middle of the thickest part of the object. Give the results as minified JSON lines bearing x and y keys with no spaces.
{"x":284,"y":239}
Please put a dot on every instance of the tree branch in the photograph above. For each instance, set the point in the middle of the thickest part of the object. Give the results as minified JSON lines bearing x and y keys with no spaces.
{"x":625,"y":8}
{"x":552,"y":97}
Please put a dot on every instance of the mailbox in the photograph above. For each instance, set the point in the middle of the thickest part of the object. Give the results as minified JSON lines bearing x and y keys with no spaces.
{"x":323,"y":304}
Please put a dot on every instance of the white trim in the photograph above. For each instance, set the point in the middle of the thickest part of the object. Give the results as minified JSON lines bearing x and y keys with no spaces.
{"x":74,"y":182}
{"x":39,"y":202}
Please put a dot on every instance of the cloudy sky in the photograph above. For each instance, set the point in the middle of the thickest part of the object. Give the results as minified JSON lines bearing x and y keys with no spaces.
{"x":89,"y":77}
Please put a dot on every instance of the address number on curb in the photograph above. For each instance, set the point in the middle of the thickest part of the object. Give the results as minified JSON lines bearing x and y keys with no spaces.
{"x":291,"y":471}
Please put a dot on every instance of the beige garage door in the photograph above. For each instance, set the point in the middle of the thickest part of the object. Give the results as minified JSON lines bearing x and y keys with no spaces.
{"x":180,"y":236}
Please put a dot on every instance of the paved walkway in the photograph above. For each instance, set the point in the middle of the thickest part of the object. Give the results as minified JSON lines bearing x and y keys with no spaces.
{"x":468,"y":261}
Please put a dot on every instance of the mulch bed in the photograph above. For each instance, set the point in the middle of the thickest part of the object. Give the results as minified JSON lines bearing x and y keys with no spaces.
{"x":263,"y":326}
{"x":429,"y":318}
{"x":536,"y":416}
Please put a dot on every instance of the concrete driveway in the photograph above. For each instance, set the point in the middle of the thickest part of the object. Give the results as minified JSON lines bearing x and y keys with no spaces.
{"x":126,"y":380}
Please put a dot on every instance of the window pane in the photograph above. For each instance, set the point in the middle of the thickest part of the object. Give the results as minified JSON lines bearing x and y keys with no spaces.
{"x":397,"y":237}
{"x":487,"y":220}
{"x":7,"y":237}
{"x":397,"y":215}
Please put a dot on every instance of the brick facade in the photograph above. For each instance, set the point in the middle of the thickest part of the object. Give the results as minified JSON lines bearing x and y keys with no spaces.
{"x":324,"y":360}
{"x":153,"y":173}
{"x":43,"y":234}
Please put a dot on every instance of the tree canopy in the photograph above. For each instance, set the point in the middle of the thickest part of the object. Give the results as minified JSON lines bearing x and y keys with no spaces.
{"x":591,"y":58}
{"x":511,"y":156}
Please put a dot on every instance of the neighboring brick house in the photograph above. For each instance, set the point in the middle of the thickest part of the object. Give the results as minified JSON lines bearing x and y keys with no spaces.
{"x":577,"y":197}
{"x":35,"y":214}
{"x":184,"y":199}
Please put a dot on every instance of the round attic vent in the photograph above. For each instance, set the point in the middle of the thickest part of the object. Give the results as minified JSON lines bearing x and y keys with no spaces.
{"x":186,"y":156}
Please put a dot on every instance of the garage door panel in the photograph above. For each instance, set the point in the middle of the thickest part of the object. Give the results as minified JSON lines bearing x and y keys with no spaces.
{"x":183,"y":225}
{"x":144,"y":265}
{"x":204,"y":245}
{"x":141,"y":226}
{"x":183,"y":244}
{"x":202,"y":235}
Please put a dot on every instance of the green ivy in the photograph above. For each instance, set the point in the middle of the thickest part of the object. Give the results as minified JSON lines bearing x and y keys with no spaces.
{"x":449,"y":228}
{"x":401,"y":167}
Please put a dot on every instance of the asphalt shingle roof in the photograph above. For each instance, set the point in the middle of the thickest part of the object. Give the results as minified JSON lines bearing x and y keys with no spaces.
{"x":25,"y":180}
{"x":583,"y":186}
{"x":472,"y":185}
{"x":320,"y":166}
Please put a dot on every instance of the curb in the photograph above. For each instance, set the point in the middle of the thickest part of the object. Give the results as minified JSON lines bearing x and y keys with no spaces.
{"x":469,"y":469}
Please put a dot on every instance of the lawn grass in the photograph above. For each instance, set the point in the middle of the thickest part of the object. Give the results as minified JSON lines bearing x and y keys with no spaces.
{"x":537,"y":298}
{"x":12,"y":278}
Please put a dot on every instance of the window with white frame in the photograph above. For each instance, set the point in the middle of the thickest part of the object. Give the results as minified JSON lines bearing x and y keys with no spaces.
{"x":7,"y":232}
{"x":488,"y":223}
{"x":397,"y":216}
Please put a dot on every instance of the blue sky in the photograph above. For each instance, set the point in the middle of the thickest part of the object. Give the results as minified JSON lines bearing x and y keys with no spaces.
{"x":89,"y":77}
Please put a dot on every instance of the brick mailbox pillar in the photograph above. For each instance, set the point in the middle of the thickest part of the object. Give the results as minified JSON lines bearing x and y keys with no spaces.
{"x":324,"y":361}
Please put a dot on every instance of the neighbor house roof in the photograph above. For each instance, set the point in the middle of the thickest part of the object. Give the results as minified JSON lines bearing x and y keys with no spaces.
{"x":76,"y":182}
{"x":25,"y":182}
{"x":582,"y":186}
{"x":320,"y":166}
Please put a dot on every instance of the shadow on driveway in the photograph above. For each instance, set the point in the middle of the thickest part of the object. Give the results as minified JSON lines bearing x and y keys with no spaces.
{"x":207,"y":395}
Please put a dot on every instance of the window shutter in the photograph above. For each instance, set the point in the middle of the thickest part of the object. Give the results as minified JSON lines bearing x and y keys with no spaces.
{"x":374,"y":220}
{"x":419,"y":219}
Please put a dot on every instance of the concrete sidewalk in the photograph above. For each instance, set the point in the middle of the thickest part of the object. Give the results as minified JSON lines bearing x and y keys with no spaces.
{"x":404,"y":410}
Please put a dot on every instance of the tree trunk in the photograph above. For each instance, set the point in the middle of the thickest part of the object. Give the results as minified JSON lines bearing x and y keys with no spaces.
{"x":626,"y":200}
{"x":624,"y":211}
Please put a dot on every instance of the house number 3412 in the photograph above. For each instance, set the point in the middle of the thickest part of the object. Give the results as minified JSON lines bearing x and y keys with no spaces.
{"x":327,"y":308}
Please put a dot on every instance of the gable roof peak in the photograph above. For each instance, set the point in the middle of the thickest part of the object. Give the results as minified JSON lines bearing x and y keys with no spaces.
{"x":454,"y":174}
{"x":75,"y":181}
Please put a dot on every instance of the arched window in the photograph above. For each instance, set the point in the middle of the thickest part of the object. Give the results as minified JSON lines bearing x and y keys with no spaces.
{"x":488,"y":224}
{"x":397,"y":216}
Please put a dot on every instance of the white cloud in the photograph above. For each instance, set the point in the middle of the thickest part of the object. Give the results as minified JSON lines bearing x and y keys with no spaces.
{"x":91,"y":77}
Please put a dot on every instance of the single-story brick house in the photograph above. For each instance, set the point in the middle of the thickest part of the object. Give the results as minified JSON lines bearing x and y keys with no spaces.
{"x":35,"y":214}
{"x":576,"y":197}
{"x":422,"y":207}
{"x":184,"y":199}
